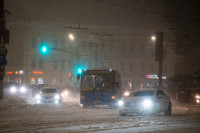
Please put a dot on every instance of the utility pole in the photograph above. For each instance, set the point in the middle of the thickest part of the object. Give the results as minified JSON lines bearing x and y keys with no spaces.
{"x":4,"y":39}
{"x":159,"y":54}
{"x":96,"y":57}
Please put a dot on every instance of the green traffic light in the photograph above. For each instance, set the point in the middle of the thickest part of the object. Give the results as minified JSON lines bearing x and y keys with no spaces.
{"x":79,"y":70}
{"x":44,"y":48}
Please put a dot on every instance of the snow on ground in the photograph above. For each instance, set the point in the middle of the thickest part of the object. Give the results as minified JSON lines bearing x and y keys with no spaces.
{"x":18,"y":115}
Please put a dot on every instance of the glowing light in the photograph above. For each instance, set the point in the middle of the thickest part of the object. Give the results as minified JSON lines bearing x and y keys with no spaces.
{"x":153,"y":38}
{"x":120,"y":103}
{"x":113,"y":97}
{"x":13,"y":89}
{"x":37,"y":72}
{"x":197,"y":96}
{"x":22,"y":89}
{"x":198,"y":101}
{"x":126,"y":93}
{"x":71,"y":36}
{"x":147,"y":104}
{"x":9,"y":72}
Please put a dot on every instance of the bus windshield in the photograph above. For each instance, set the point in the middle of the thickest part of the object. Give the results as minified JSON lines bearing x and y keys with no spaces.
{"x":104,"y":82}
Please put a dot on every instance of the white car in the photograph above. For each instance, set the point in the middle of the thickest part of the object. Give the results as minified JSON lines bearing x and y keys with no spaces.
{"x":48,"y":95}
{"x":145,"y":101}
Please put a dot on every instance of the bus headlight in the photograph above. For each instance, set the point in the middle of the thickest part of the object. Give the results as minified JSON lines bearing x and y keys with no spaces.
{"x":147,"y":104}
{"x":120,"y":103}
{"x":13,"y":89}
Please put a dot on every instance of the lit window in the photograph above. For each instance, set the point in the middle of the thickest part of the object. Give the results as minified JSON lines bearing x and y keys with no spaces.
{"x":32,"y":81}
{"x":40,"y":81}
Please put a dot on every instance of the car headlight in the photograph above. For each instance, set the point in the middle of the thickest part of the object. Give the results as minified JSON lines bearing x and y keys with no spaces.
{"x":13,"y":89}
{"x":126,"y":93}
{"x":147,"y":104}
{"x":120,"y":103}
{"x":38,"y":96}
{"x":197,"y":96}
{"x":198,"y":101}
{"x":22,"y":89}
{"x":57,"y":96}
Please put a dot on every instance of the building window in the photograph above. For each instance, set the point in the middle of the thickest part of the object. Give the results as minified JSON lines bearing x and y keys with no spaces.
{"x":62,"y":45}
{"x":102,"y":46}
{"x":102,"y":64}
{"x":55,"y":44}
{"x":83,"y":44}
{"x":110,"y":64}
{"x":55,"y":64}
{"x":123,"y":48}
{"x":33,"y":43}
{"x":40,"y":81}
{"x":131,"y":48}
{"x":41,"y":64}
{"x":111,"y":45}
{"x":151,"y":67}
{"x":131,"y":67}
{"x":122,"y":67}
{"x":33,"y":81}
{"x":91,"y":45}
{"x":33,"y":64}
{"x":142,"y":67}
{"x":62,"y":66}
{"x":69,"y":65}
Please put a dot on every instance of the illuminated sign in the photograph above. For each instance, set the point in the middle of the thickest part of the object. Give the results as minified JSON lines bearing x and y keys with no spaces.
{"x":19,"y":72}
{"x":37,"y":72}
{"x":9,"y":72}
{"x":154,"y":77}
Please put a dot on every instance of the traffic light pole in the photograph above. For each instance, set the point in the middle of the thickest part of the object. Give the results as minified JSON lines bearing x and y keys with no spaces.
{"x":159,"y":54}
{"x":2,"y":26}
{"x":4,"y":39}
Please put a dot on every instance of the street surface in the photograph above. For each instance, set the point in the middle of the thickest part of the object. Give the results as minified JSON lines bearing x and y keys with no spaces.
{"x":16,"y":115}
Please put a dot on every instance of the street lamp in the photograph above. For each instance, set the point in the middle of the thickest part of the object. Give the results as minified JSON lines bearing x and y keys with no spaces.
{"x":71,"y":36}
{"x":153,"y":38}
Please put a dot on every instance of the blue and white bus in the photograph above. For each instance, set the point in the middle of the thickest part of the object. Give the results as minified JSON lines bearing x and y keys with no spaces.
{"x":100,"y":87}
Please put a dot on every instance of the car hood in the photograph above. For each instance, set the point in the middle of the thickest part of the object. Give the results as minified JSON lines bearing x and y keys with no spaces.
{"x":48,"y":95}
{"x":137,"y":99}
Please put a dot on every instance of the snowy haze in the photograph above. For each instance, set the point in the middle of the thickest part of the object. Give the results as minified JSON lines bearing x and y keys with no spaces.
{"x":18,"y":114}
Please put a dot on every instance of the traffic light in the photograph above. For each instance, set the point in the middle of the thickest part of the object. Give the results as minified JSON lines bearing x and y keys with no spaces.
{"x":79,"y":71}
{"x":44,"y":48}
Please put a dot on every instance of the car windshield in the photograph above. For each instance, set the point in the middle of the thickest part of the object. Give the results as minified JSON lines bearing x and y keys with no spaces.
{"x":143,"y":93}
{"x":49,"y":90}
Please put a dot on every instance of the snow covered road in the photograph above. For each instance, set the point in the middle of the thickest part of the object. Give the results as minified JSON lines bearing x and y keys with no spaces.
{"x":18,"y":116}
